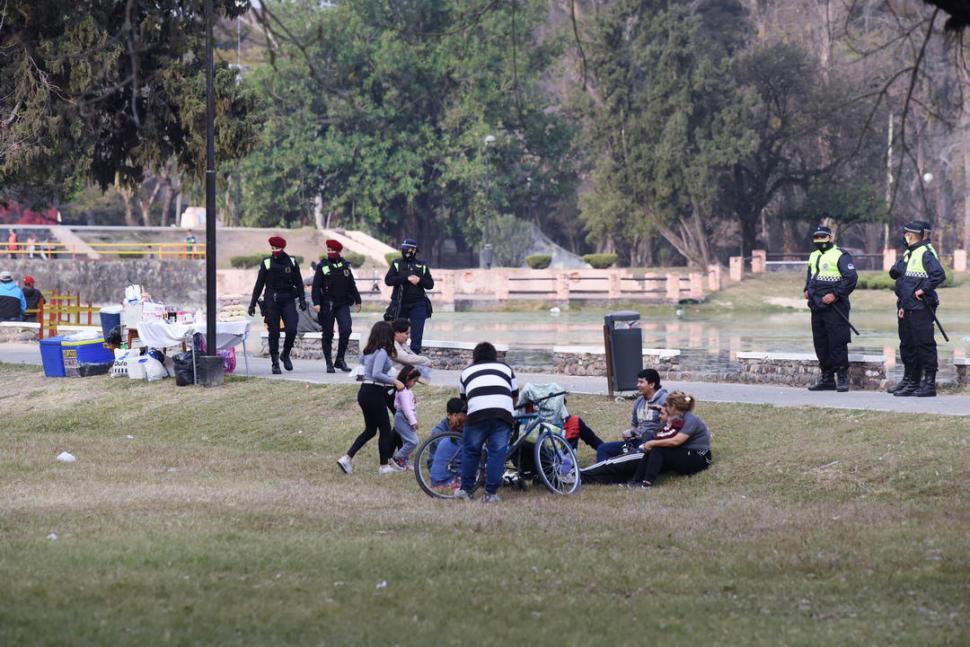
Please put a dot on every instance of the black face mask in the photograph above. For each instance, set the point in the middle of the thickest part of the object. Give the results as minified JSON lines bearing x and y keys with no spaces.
{"x":823,"y":247}
{"x":407,"y":254}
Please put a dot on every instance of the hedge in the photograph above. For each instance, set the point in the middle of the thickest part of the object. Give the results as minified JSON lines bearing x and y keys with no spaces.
{"x":882,"y":281}
{"x":253,"y":260}
{"x":392,"y":256}
{"x":355,"y":259}
{"x":538,"y":261}
{"x":600,"y":261}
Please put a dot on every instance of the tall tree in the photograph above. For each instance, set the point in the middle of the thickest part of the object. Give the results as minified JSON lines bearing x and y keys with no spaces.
{"x":668,"y":129}
{"x":105,"y":90}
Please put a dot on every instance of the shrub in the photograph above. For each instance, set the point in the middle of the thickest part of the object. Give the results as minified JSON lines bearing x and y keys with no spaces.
{"x":355,"y":259}
{"x":875,"y":281}
{"x":253,"y":260}
{"x":538,"y":261}
{"x":392,"y":256}
{"x":600,"y":261}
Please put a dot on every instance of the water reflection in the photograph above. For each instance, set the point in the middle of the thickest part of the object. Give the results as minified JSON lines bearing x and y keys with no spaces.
{"x":715,"y":340}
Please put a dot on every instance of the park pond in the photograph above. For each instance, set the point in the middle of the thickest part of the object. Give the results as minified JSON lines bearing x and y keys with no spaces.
{"x":708,"y":340}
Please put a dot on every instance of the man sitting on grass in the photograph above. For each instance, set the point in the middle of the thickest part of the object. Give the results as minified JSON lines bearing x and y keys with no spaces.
{"x":645,"y":420}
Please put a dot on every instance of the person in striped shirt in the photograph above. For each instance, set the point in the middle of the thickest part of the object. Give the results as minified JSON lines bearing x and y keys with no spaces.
{"x":490,"y":389}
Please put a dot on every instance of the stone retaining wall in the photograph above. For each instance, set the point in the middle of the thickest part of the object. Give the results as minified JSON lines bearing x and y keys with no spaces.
{"x":866,"y":372}
{"x":575,"y":360}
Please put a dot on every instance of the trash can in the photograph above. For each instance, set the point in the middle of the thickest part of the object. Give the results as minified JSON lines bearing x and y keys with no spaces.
{"x":624,"y":349}
{"x":110,"y":317}
{"x":52,"y":357}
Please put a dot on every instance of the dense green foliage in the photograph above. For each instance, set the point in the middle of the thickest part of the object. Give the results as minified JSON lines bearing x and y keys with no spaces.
{"x":420,"y":120}
{"x":107,"y":90}
{"x":538,"y":261}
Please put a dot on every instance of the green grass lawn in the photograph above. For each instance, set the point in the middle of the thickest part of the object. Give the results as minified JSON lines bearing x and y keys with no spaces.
{"x":225,"y":520}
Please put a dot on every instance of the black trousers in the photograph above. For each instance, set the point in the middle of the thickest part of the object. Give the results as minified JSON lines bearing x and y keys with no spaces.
{"x":831,"y":336}
{"x":373,"y":404}
{"x":280,"y":305}
{"x":339,"y":314}
{"x":673,"y":459}
{"x":917,"y":341}
{"x":586,"y":435}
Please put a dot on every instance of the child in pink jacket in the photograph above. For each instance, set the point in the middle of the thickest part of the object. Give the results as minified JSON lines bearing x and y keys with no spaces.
{"x":406,"y":416}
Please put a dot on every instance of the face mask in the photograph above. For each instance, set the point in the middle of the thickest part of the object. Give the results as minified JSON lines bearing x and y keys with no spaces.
{"x":823,"y":246}
{"x":276,"y":252}
{"x":407,"y":254}
{"x":333,"y":255}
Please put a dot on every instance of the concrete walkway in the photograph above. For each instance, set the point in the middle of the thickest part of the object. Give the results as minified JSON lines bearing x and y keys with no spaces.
{"x":313,"y":371}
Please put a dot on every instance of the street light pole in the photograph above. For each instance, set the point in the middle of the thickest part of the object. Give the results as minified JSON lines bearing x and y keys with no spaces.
{"x":210,"y":195}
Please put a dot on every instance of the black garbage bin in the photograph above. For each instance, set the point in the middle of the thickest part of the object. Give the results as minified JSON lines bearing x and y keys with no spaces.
{"x":624,"y":349}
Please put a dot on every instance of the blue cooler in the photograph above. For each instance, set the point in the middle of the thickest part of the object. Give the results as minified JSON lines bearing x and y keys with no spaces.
{"x":52,"y":356}
{"x":86,"y":357}
{"x":110,"y":317}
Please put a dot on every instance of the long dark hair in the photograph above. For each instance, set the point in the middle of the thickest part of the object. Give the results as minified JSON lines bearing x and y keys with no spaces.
{"x":381,"y":336}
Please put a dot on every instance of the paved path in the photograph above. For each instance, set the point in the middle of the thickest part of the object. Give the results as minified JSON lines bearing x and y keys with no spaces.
{"x":313,"y":371}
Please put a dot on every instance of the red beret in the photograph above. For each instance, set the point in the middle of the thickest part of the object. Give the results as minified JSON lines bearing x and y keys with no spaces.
{"x":334,"y":245}
{"x":277,"y":241}
{"x":28,"y":280}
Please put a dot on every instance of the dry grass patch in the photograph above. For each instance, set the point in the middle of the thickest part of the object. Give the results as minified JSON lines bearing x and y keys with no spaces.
{"x":225,"y":521}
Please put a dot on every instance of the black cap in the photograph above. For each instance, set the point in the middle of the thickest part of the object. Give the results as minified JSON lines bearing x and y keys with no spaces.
{"x":927,"y":227}
{"x":409,"y":243}
{"x":822,"y":230}
{"x":914,"y":227}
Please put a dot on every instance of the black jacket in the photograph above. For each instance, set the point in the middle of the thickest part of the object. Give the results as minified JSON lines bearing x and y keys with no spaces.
{"x":282,"y":277}
{"x":906,"y":286}
{"x":397,"y":277}
{"x":334,"y":284}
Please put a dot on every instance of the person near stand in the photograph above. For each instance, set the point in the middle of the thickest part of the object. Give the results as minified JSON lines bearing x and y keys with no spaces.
{"x":334,"y":292}
{"x":279,"y":274}
{"x":829,"y":280}
{"x":918,"y":273}
{"x":12,"y":301}
{"x":410,"y":278}
{"x":34,"y":299}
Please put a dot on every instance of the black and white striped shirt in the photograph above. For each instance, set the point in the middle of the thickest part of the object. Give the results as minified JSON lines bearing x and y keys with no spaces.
{"x":490,"y":389}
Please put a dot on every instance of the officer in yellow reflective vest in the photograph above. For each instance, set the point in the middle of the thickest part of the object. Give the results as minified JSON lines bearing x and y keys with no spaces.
{"x":830,"y":279}
{"x":918,"y":273}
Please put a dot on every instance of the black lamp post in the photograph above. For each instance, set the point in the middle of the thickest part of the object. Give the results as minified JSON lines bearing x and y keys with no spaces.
{"x":212,"y":373}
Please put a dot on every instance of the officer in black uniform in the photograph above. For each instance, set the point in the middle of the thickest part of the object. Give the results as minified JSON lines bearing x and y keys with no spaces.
{"x":410,"y":278}
{"x":918,"y":273}
{"x":334,"y":291}
{"x":280,"y":274}
{"x":830,"y":279}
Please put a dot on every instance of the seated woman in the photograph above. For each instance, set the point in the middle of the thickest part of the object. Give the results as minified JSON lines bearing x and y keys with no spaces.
{"x":682,"y":446}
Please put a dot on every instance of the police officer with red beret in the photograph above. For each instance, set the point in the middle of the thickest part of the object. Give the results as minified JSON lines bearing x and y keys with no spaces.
{"x":279,"y":273}
{"x":334,"y":291}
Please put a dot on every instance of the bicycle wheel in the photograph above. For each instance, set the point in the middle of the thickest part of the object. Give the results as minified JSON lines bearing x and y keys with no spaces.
{"x":437,"y":465}
{"x":556,"y":464}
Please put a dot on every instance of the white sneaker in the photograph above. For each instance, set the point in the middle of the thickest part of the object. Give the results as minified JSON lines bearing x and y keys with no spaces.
{"x":461,"y":495}
{"x":345,"y":465}
{"x":491,"y":498}
{"x":387,"y":469}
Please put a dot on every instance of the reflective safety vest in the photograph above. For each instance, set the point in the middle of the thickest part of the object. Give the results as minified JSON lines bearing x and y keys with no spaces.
{"x":914,"y":262}
{"x":269,"y":261}
{"x":325,"y":269}
{"x":824,"y":266}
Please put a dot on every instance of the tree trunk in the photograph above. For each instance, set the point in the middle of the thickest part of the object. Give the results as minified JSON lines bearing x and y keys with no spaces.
{"x":318,"y":211}
{"x":169,"y":196}
{"x":965,"y":132}
{"x":145,"y":204}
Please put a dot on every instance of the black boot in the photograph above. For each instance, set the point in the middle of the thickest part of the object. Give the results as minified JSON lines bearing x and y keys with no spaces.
{"x":341,"y":350}
{"x":328,"y":356}
{"x":825,"y":383}
{"x":910,"y":388}
{"x":928,"y":388}
{"x":902,"y":384}
{"x":842,"y":380}
{"x":285,"y":357}
{"x":275,"y":359}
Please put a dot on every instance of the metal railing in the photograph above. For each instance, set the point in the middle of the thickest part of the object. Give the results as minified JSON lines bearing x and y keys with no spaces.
{"x":50,"y":249}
